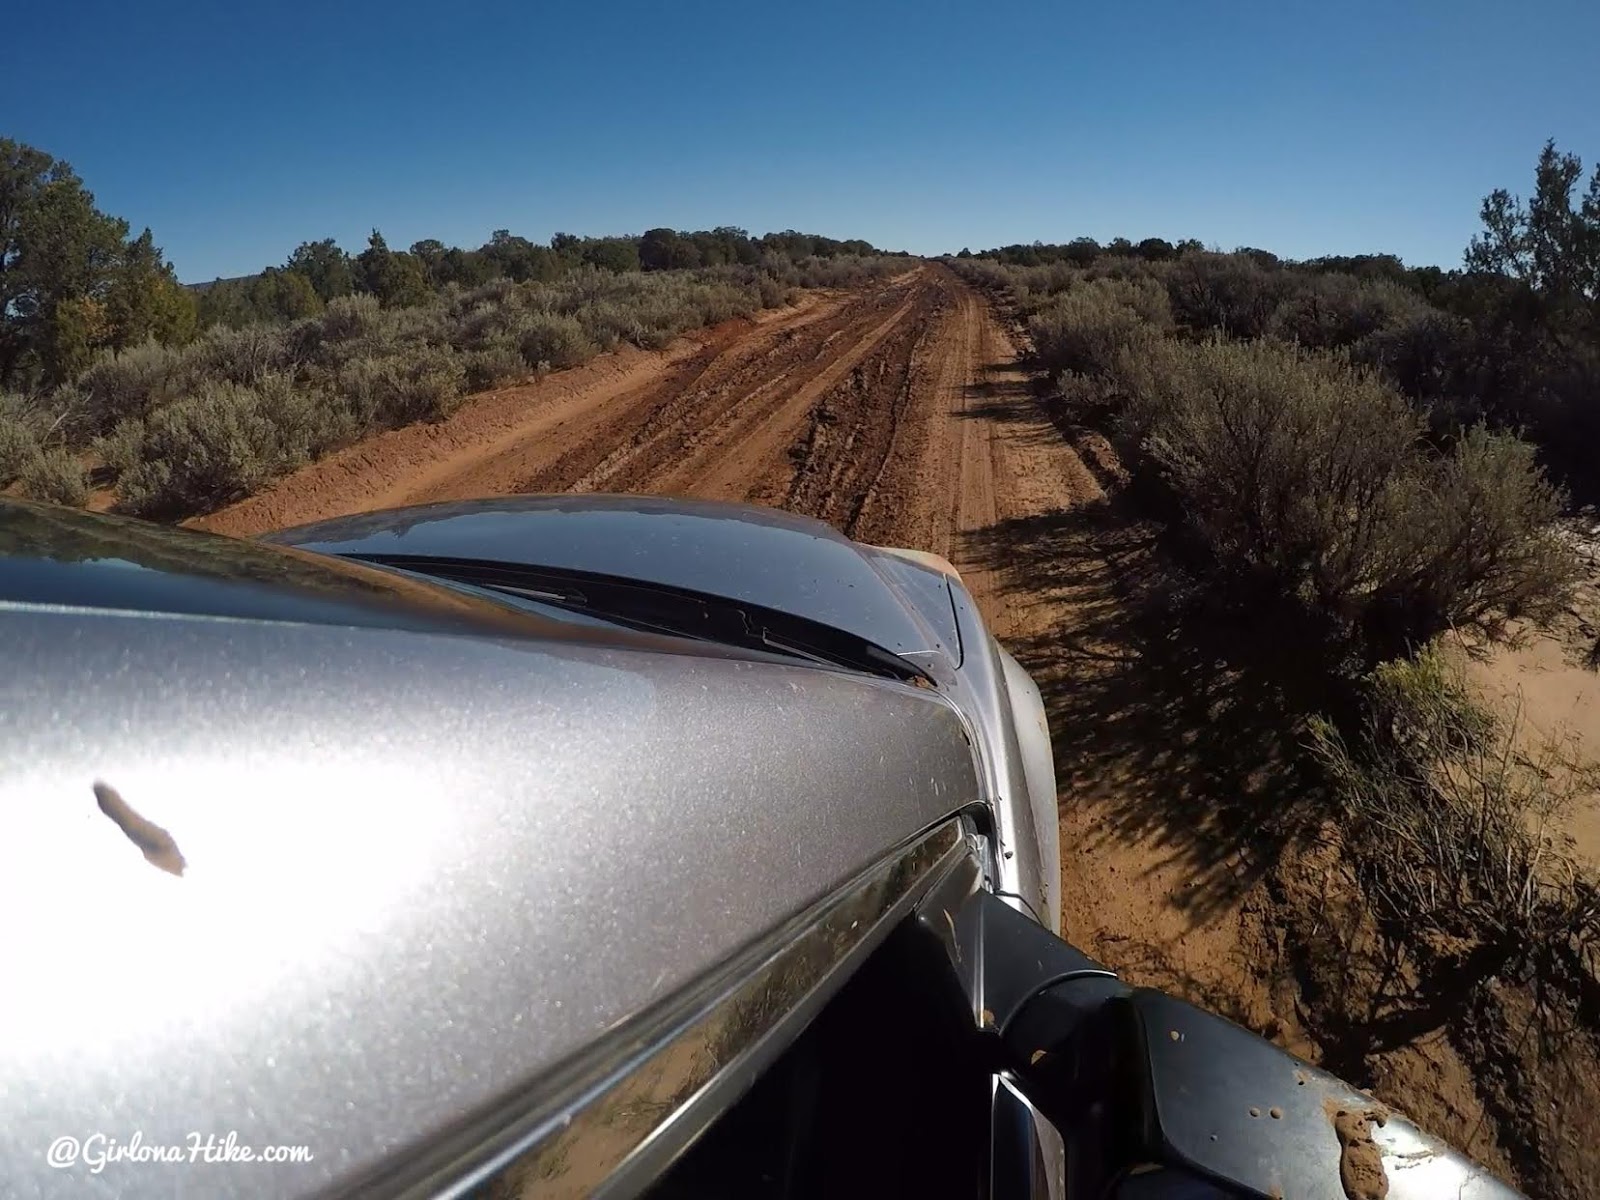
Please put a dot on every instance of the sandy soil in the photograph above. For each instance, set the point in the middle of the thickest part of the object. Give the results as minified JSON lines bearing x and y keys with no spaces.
{"x":898,"y":413}
{"x":1547,"y":680}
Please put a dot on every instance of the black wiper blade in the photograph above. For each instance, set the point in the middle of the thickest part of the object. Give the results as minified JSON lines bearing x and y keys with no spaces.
{"x":662,"y":608}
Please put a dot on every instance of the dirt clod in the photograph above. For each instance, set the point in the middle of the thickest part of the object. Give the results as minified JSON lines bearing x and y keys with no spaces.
{"x":159,"y":848}
{"x":1361,"y":1171}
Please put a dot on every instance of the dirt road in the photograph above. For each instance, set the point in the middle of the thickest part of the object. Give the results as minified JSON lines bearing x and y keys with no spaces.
{"x":866,"y":409}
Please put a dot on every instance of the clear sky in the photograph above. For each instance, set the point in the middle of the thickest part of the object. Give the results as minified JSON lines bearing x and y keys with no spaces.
{"x":237,"y":129}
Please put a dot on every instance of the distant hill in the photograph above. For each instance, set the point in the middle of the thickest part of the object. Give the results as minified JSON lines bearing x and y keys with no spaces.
{"x":197,"y":288}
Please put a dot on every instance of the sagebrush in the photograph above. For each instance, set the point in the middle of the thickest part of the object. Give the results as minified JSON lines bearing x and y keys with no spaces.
{"x":57,"y":476}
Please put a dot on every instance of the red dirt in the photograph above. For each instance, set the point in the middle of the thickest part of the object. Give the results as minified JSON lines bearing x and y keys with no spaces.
{"x":897,"y":413}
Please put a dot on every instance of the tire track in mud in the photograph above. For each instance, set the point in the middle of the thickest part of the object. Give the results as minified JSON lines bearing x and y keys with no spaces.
{"x":678,"y":428}
{"x":839,"y":462}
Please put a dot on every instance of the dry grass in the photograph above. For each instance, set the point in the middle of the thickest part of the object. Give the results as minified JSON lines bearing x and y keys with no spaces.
{"x":1451,"y":818}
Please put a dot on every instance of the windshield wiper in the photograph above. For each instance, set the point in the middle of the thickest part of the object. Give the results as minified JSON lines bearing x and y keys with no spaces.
{"x":662,"y":608}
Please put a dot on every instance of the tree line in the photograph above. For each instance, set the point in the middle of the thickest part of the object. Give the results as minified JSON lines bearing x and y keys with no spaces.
{"x":1083,"y":251}
{"x":317,"y":273}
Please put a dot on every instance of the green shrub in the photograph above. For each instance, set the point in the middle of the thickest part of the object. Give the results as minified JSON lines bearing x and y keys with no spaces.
{"x":657,"y":336}
{"x":431,"y":324}
{"x":1447,"y":821}
{"x":607,"y":323}
{"x":1303,"y":477}
{"x":492,"y":365}
{"x":55,"y":476}
{"x":497,"y":293}
{"x":716,"y":303}
{"x":1472,"y":545}
{"x":1282,"y":466}
{"x":663,"y":317}
{"x":309,"y":421}
{"x":1143,"y":295}
{"x":129,"y":384}
{"x":1227,"y":293}
{"x":843,"y":270}
{"x":553,"y":340}
{"x":1332,"y":311}
{"x":217,"y":445}
{"x":1426,"y":356}
{"x":774,"y":293}
{"x":246,"y":355}
{"x":304,"y":342}
{"x":1084,"y":330}
{"x":19,"y":446}
{"x":588,"y":286}
{"x":401,"y":384}
{"x":988,"y":274}
{"x":1128,"y":269}
{"x":122,"y":448}
{"x":350,"y":317}
{"x":65,"y":411}
{"x":647,"y":310}
{"x":487,"y":323}
{"x":1034,"y":287}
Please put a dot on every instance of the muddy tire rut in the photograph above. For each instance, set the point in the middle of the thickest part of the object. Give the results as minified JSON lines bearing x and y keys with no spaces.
{"x":839,"y":461}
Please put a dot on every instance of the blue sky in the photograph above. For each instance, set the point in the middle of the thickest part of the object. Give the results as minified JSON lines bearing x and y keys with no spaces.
{"x":236,"y":130}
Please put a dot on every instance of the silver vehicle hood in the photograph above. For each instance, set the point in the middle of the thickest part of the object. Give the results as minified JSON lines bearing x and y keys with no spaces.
{"x":906,"y":602}
{"x":757,"y":555}
{"x":424,"y":860}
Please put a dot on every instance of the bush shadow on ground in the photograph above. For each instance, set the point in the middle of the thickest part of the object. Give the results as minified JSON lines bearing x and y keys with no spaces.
{"x":1181,"y":709}
{"x":999,"y":394}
